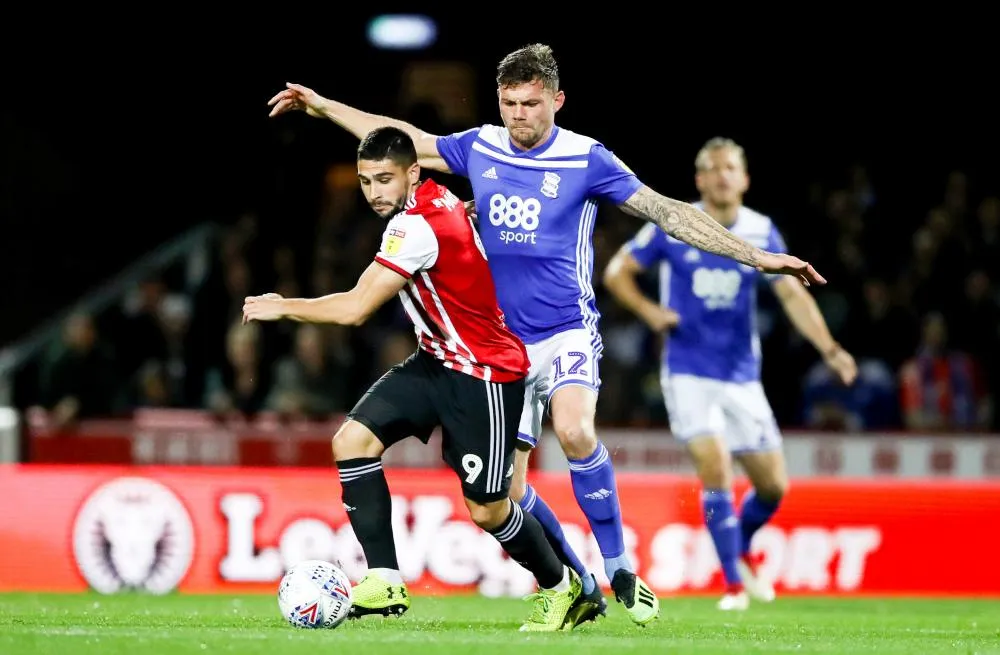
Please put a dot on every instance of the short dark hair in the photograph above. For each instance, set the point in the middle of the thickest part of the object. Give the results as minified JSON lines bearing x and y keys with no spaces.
{"x":388,"y":143}
{"x":530,"y":63}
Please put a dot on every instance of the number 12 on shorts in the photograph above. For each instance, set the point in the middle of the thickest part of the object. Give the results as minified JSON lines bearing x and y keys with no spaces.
{"x":574,"y":363}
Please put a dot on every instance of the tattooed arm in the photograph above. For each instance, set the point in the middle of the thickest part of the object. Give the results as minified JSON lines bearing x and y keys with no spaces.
{"x":689,"y":224}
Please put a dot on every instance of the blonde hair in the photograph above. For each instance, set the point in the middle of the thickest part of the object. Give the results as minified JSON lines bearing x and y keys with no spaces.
{"x":701,"y":162}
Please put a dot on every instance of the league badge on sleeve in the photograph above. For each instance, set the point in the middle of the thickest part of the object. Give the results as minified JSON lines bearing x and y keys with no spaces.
{"x":394,"y":241}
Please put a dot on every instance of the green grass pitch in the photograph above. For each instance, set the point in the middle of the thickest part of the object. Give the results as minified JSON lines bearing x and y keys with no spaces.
{"x":467,"y":625}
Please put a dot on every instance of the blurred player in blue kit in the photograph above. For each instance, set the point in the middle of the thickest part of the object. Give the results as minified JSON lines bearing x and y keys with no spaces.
{"x":710,"y":371}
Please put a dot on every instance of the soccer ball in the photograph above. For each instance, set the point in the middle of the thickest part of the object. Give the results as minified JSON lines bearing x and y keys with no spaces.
{"x":314,"y":594}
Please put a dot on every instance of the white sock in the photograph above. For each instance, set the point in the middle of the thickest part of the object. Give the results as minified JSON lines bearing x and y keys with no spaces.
{"x":392,"y":576}
{"x":564,"y":583}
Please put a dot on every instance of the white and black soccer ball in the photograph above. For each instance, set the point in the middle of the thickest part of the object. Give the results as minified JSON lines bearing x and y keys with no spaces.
{"x":315,"y":594}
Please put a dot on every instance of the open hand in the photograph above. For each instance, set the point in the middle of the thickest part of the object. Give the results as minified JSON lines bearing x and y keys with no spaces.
{"x":787,"y":265}
{"x":843,"y":365}
{"x":470,"y":209}
{"x":661,"y":319}
{"x":296,"y":98}
{"x":269,"y":307}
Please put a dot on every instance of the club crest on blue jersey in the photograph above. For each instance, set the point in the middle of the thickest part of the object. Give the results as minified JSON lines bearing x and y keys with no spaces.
{"x":550,"y":184}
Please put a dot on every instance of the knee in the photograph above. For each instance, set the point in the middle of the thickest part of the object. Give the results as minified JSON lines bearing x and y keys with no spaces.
{"x":518,"y":487}
{"x":488,"y":516}
{"x":773,"y":490}
{"x":576,"y":434}
{"x":354,"y":440}
{"x":713,"y":464}
{"x":715,"y":474}
{"x":519,"y":481}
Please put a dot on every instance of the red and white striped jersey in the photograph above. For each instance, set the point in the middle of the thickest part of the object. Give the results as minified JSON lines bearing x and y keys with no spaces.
{"x":450,"y":295}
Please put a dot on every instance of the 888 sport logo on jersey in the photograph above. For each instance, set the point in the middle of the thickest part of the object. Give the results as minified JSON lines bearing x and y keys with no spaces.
{"x":718,"y":288}
{"x":518,"y":217}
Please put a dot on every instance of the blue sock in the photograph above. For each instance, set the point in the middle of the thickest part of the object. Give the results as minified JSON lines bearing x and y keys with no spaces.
{"x":754,"y":513}
{"x":596,"y":492}
{"x":720,"y":517}
{"x":534,"y":505}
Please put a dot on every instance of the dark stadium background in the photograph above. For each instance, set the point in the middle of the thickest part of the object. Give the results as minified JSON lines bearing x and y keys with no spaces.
{"x":115,"y":139}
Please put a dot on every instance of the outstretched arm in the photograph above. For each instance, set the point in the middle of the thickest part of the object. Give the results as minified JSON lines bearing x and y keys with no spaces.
{"x":374,"y":288}
{"x":803,"y":312}
{"x":357,"y":122}
{"x":689,"y":224}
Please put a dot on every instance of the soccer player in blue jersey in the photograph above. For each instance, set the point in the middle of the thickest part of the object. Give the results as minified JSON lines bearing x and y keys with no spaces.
{"x":536,"y":189}
{"x":710,"y":373}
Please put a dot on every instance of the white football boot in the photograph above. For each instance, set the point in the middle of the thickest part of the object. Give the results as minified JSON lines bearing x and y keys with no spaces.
{"x":758,"y":586}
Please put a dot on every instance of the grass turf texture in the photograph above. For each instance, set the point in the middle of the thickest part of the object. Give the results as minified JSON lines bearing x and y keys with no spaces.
{"x":147,"y":625}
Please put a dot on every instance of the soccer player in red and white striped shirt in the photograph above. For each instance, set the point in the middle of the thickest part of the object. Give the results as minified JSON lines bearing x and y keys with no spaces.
{"x":467,"y":376}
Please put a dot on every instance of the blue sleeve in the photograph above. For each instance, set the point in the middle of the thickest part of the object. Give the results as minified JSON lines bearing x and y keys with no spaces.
{"x":648,"y":246}
{"x":454,"y":150}
{"x":775,"y":244}
{"x":608,"y":177}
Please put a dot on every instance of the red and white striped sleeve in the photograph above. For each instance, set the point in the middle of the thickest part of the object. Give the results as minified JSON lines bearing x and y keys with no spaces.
{"x":409,"y":245}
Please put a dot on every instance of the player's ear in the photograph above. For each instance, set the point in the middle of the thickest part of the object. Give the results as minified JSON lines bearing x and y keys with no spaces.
{"x":559,"y":99}
{"x":413,"y":173}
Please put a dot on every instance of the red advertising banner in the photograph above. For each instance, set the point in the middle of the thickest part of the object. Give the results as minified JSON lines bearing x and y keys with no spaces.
{"x":173,"y":437}
{"x":234,"y":530}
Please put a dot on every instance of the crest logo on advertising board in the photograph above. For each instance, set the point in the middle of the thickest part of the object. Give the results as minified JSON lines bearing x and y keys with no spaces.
{"x":133,"y":534}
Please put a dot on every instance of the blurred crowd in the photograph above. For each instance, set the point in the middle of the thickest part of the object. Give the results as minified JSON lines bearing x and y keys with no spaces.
{"x":921,"y":317}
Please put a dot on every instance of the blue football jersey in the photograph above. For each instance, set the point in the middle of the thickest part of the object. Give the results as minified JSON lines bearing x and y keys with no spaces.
{"x":716,"y":299}
{"x":536,"y":219}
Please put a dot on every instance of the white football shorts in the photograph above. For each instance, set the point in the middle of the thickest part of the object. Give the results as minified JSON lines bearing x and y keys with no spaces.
{"x":738,"y":412}
{"x":570,"y":357}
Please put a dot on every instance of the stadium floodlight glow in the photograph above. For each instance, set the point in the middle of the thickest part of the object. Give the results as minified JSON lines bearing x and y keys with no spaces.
{"x":402,"y":31}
